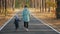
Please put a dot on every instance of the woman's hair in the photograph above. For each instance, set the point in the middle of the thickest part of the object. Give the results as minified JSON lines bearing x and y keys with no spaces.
{"x":25,"y":6}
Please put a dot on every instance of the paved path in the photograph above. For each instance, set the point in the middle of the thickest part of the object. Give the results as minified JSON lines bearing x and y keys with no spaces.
{"x":35,"y":27}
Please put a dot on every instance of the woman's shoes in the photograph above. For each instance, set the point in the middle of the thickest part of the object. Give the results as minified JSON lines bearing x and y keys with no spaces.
{"x":26,"y":29}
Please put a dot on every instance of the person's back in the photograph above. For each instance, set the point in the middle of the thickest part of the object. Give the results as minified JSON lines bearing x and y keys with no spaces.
{"x":26,"y":15}
{"x":16,"y":20}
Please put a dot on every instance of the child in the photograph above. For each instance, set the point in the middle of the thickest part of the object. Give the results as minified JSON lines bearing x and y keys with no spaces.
{"x":16,"y":20}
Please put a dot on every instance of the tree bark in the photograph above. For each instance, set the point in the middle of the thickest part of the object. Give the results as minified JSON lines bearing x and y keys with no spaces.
{"x":58,"y":9}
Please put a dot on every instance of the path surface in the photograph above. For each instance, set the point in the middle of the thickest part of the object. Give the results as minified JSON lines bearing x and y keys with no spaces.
{"x":35,"y":27}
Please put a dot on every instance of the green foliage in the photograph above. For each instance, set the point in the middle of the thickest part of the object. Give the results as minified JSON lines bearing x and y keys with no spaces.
{"x":51,"y":4}
{"x":20,"y":3}
{"x":27,"y":3}
{"x":17,"y":4}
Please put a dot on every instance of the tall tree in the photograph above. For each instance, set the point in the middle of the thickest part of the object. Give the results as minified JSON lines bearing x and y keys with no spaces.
{"x":58,"y":9}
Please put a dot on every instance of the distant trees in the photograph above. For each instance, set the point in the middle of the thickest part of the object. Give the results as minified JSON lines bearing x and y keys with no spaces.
{"x":51,"y":4}
{"x":4,"y":4}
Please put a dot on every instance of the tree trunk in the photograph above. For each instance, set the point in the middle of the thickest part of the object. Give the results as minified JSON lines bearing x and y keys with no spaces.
{"x":58,"y":9}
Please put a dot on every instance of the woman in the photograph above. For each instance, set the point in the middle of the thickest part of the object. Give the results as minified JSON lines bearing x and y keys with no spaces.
{"x":26,"y":17}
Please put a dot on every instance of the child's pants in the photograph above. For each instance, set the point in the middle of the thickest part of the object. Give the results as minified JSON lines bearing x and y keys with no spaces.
{"x":16,"y":25}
